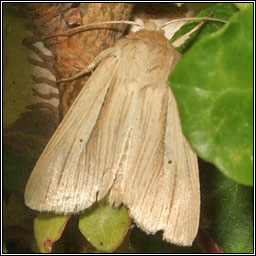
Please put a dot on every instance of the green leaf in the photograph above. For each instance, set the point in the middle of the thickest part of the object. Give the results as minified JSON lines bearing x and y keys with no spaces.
{"x":228,"y":208}
{"x":242,"y":6}
{"x":222,"y":10}
{"x":48,"y":228}
{"x":213,"y":85}
{"x":104,"y":226}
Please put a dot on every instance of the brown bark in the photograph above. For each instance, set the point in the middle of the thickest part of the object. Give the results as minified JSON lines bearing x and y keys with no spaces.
{"x":74,"y":53}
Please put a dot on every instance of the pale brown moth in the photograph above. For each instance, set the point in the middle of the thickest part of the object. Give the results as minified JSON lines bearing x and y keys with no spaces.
{"x":122,"y":139}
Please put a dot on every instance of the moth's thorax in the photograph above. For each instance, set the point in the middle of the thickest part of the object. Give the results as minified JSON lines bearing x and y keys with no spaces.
{"x":146,"y":55}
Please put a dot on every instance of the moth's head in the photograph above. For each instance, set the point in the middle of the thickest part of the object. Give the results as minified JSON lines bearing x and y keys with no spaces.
{"x":157,"y":25}
{"x":151,"y":26}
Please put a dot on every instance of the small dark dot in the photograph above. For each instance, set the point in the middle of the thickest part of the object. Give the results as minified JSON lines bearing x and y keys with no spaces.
{"x":101,"y":243}
{"x":170,"y":161}
{"x":81,"y":140}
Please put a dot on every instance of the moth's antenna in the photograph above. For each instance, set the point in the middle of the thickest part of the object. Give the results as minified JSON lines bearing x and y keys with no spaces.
{"x":178,"y":42}
{"x":195,"y":18}
{"x":84,"y":27}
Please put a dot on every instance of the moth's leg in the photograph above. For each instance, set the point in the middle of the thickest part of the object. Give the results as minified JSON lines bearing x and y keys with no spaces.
{"x":101,"y":56}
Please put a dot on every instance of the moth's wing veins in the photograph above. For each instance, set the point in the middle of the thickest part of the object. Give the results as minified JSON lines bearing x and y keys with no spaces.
{"x":182,"y":174}
{"x":145,"y":191}
{"x":60,"y":181}
{"x":161,"y":182}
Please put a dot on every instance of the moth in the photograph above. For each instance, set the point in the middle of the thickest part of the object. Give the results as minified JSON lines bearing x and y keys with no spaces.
{"x":122,"y":139}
